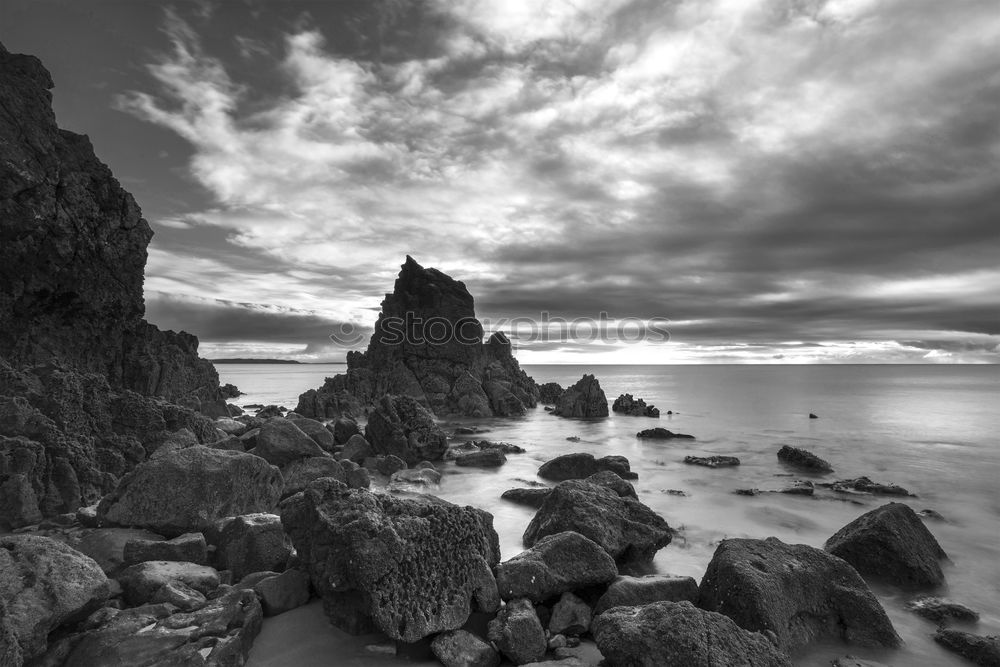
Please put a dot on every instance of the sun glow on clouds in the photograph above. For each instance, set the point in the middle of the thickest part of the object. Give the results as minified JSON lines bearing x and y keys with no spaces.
{"x":581,"y":145}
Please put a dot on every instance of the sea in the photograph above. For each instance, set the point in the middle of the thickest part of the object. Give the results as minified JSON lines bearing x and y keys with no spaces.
{"x":933,"y":429}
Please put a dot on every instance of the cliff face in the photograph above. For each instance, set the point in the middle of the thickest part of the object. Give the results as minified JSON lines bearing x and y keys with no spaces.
{"x":72,"y":256}
{"x":428,"y":344}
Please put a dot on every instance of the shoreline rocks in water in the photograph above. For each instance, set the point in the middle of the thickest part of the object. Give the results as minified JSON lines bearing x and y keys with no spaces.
{"x":634,"y":407}
{"x":865,"y":485}
{"x":400,"y":426}
{"x":447,"y":369}
{"x":582,"y":465}
{"x":583,"y":400}
{"x":802,"y":459}
{"x":556,"y":564}
{"x":660,"y":433}
{"x":712,"y":461}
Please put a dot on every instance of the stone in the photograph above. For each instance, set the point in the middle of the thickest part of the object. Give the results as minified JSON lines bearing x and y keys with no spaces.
{"x":625,"y":404}
{"x":518,"y":633}
{"x":800,"y":593}
{"x":941,"y":610}
{"x":584,"y":400}
{"x":141,"y":582}
{"x":851,"y":661}
{"x":180,"y":595}
{"x":299,"y":473}
{"x":408,"y":567}
{"x":251,"y":543}
{"x":269,"y":412}
{"x":202,"y":485}
{"x":283,"y":592}
{"x":570,"y":616}
{"x":358,"y":478}
{"x":106,"y":545}
{"x":626,"y":591}
{"x":280,"y":442}
{"x":556,"y":564}
{"x":44,"y":584}
{"x":892,"y":544}
{"x":189,"y":547}
{"x":530,"y":497}
{"x":660,"y":433}
{"x":486,"y":458}
{"x":427,"y":345}
{"x":343,"y":429}
{"x":867,"y":486}
{"x":712,"y":461}
{"x":357,"y":449}
{"x":315,"y":430}
{"x":230,"y":426}
{"x":624,"y":527}
{"x":549,"y":392}
{"x":415,"y":478}
{"x":460,"y":648}
{"x":166,"y":443}
{"x":800,"y":458}
{"x":386,"y":465}
{"x":400,"y":426}
{"x":979,"y":649}
{"x":678,"y":634}
{"x":583,"y":465}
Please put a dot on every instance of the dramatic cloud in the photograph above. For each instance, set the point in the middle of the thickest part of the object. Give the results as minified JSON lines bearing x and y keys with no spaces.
{"x":785,"y":180}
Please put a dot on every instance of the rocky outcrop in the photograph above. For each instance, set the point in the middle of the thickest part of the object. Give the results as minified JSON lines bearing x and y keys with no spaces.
{"x":627,"y":529}
{"x":798,"y":592}
{"x":800,"y":458}
{"x":625,"y":404}
{"x":191,"y":489}
{"x":582,"y":465}
{"x":401,"y":426}
{"x":556,"y":564}
{"x":660,"y":433}
{"x":892,"y":544}
{"x":678,"y":634}
{"x":549,"y":392}
{"x":72,"y":256}
{"x":410,"y":568}
{"x":43,"y":585}
{"x":712,"y":461}
{"x":584,"y":400}
{"x":428,"y":345}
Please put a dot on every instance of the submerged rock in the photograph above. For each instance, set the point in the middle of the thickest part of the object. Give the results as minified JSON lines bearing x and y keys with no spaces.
{"x":555,"y":564}
{"x":400,"y":426}
{"x":530,"y":497}
{"x":485,"y":458}
{"x":800,"y":458}
{"x":979,"y":649}
{"x":678,"y":634}
{"x":660,"y":433}
{"x":865,"y":485}
{"x":941,"y":610}
{"x":800,"y":593}
{"x":583,"y":465}
{"x":143,"y":582}
{"x":584,"y":400}
{"x":712,"y":461}
{"x":410,"y":568}
{"x":891,"y":543}
{"x":633,"y":407}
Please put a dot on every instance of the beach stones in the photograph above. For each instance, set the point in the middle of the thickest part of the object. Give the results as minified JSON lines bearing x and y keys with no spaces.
{"x":627,"y":529}
{"x":190,"y":490}
{"x":315,"y":430}
{"x":892,"y":544}
{"x":800,"y":593}
{"x":678,"y":634}
{"x":582,"y":465}
{"x":627,"y":591}
{"x":565,"y":561}
{"x":460,"y":648}
{"x":142,"y":582}
{"x":282,"y":592}
{"x":583,"y":400}
{"x":518,"y":633}
{"x":251,"y":543}
{"x":299,"y":473}
{"x":400,"y":426}
{"x":408,"y":567}
{"x":802,"y":459}
{"x":280,"y":442}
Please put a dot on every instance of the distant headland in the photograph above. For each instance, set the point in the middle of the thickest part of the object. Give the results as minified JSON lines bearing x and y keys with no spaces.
{"x":254,"y":361}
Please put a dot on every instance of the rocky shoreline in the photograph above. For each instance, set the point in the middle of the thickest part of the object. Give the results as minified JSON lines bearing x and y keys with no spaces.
{"x":151,"y":523}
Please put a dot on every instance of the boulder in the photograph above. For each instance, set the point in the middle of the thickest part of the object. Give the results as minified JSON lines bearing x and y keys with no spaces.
{"x":712,"y":461}
{"x":280,"y":442}
{"x":570,"y":616}
{"x":166,"y":443}
{"x":549,"y":392}
{"x":202,"y":485}
{"x":530,"y":497}
{"x":518,"y":633}
{"x":485,"y":458}
{"x":230,"y":426}
{"x":189,"y":547}
{"x":460,"y":648}
{"x":979,"y":649}
{"x":800,"y":593}
{"x":298,"y":474}
{"x":141,"y":582}
{"x":892,"y":544}
{"x":660,"y":433}
{"x":283,"y":592}
{"x":624,"y":527}
{"x":583,"y":465}
{"x":627,"y":591}
{"x":400,"y":426}
{"x":251,"y":543}
{"x":414,"y":479}
{"x":106,"y":545}
{"x":678,"y":634}
{"x":343,"y":429}
{"x":408,"y":567}
{"x":357,"y":477}
{"x":800,"y":458}
{"x":357,"y":449}
{"x":625,"y":404}
{"x":867,"y":486}
{"x":584,"y":400}
{"x":44,"y":584}
{"x":555,"y":564}
{"x":941,"y":610}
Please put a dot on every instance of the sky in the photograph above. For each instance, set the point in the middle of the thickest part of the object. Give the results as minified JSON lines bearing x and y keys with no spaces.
{"x":766,"y":181}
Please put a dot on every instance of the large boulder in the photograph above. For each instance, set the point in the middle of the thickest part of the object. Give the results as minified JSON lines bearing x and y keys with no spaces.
{"x":584,"y":400}
{"x":625,"y":404}
{"x":556,"y":564}
{"x":800,"y":593}
{"x":407,"y":567}
{"x":978,"y":649}
{"x":428,"y":344}
{"x":191,"y":489}
{"x":44,"y":584}
{"x":460,"y":648}
{"x":402,"y":427}
{"x":800,"y":458}
{"x":582,"y":465}
{"x":626,"y":591}
{"x":251,"y":543}
{"x":299,"y":473}
{"x":624,"y":527}
{"x":142,"y":582}
{"x":678,"y":634}
{"x":320,"y":434}
{"x":280,"y":442}
{"x":892,"y":544}
{"x":518,"y":632}
{"x":189,"y":548}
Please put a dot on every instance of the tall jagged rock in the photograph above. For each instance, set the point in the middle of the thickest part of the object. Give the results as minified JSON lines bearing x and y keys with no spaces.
{"x":72,"y":256}
{"x":428,"y":344}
